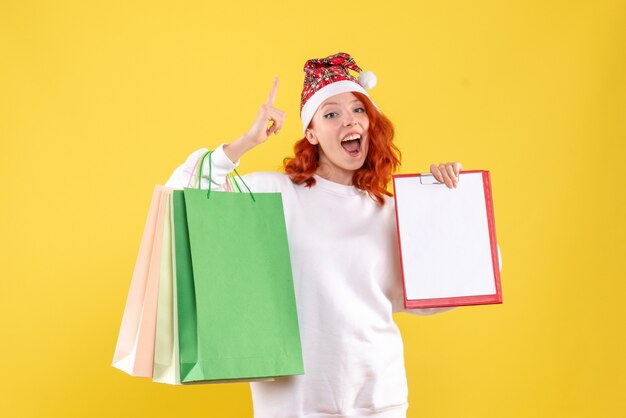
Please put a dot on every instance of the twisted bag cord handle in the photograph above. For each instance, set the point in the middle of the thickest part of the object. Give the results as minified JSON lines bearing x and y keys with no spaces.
{"x":194,"y":171}
{"x":200,"y":171}
{"x":229,"y":187}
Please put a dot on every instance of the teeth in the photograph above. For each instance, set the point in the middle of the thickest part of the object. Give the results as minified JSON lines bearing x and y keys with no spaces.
{"x":351,"y":137}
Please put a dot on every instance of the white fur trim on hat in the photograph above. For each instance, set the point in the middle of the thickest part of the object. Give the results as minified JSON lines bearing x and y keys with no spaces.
{"x":343,"y":86}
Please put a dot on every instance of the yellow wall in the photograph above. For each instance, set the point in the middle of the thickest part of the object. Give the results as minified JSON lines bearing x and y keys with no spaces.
{"x":98,"y":102}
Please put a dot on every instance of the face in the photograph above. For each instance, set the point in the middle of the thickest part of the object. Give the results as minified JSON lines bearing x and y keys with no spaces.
{"x":340,"y":129}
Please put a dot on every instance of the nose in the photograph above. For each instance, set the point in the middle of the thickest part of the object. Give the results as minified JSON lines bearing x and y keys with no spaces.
{"x":350,"y":121}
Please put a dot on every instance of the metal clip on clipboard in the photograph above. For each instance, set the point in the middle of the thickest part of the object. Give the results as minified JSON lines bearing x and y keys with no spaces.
{"x":428,"y":179}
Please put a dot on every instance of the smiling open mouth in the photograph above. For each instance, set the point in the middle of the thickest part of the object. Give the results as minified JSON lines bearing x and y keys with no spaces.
{"x":352,"y":146}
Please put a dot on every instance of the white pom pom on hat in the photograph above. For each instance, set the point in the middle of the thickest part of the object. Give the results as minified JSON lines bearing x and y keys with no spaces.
{"x":367,"y":79}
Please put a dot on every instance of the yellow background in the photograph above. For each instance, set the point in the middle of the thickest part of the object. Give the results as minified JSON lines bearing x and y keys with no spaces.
{"x":101,"y":100}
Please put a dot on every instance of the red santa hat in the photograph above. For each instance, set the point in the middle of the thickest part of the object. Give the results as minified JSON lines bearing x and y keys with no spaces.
{"x":326,"y":77}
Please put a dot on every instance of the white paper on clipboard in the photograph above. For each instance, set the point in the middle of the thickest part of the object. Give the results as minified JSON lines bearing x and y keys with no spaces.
{"x":447,"y":240}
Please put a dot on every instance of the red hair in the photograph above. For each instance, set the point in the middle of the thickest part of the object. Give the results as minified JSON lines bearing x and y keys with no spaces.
{"x":383,"y":157}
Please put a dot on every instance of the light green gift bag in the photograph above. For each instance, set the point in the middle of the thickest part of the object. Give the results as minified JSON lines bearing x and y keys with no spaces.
{"x":237,"y":317}
{"x":166,"y":361}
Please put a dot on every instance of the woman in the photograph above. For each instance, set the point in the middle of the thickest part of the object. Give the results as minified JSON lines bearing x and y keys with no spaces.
{"x":343,"y":246}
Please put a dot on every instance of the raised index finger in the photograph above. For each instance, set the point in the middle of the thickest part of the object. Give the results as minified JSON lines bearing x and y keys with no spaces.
{"x":272,"y":96}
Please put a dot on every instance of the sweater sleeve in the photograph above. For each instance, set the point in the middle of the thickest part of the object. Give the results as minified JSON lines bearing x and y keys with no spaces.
{"x":185,"y":174}
{"x":432,"y":311}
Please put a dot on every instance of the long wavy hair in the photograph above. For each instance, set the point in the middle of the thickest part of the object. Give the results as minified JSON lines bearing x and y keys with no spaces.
{"x":382,"y":160}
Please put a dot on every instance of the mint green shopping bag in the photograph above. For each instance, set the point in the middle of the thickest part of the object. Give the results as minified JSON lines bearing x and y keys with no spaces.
{"x":237,"y":317}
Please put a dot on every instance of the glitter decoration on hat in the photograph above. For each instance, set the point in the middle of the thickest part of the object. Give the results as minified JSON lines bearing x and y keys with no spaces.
{"x":326,"y":77}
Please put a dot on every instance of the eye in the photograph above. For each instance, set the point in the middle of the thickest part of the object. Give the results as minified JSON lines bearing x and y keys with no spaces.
{"x":328,"y":114}
{"x":360,"y":110}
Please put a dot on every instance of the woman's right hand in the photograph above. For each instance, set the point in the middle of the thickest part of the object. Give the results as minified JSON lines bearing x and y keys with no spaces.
{"x":259,"y":131}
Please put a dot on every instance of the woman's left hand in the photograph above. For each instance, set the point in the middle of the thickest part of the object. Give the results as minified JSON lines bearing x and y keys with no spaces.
{"x":447,"y":173}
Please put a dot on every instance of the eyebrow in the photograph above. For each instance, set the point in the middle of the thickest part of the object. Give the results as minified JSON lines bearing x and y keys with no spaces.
{"x":334,"y":103}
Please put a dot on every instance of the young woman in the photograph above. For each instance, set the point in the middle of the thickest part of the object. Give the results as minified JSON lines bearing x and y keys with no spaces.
{"x":343,"y":246}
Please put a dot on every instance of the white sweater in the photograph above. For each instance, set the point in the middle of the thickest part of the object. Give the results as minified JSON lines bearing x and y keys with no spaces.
{"x":347,"y":279}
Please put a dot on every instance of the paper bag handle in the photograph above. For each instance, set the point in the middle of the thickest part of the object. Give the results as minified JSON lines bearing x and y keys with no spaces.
{"x":200,"y":171}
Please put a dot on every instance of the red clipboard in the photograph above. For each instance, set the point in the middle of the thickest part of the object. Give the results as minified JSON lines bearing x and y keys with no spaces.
{"x":447,"y":239}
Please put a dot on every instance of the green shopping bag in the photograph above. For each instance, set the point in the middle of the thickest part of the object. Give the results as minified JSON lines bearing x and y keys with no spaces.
{"x":237,"y":317}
